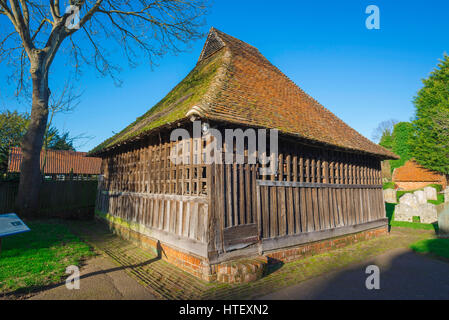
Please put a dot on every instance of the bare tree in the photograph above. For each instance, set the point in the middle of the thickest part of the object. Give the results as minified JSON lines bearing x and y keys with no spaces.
{"x":82,"y":30}
{"x":385,"y":128}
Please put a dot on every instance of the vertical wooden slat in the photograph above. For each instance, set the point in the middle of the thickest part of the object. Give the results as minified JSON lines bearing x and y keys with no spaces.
{"x":319,"y":191}
{"x":241,"y":194}
{"x":289,"y":198}
{"x":235,"y":193}
{"x":273,"y":209}
{"x":296,"y":196}
{"x":345,"y":193}
{"x":229,"y":195}
{"x":308,"y":200}
{"x":248,"y":192}
{"x":315,"y":204}
{"x":281,"y":199}
{"x":328,"y":208}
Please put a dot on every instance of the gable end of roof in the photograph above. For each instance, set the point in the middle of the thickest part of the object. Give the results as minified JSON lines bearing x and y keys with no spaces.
{"x":212,"y":45}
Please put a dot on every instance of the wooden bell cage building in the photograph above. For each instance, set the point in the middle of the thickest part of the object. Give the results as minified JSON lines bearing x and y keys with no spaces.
{"x":328,"y":183}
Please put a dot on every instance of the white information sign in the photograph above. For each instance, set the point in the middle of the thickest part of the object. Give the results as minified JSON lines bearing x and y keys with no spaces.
{"x":11,"y":224}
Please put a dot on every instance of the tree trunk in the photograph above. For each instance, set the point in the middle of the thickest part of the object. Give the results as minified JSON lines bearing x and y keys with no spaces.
{"x":27,"y":202}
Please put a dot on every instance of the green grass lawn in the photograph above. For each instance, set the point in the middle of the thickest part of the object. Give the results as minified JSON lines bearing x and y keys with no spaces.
{"x":38,"y":258}
{"x":438,"y":247}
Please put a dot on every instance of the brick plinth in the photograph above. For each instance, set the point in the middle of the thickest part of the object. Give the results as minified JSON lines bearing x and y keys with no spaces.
{"x":243,"y":270}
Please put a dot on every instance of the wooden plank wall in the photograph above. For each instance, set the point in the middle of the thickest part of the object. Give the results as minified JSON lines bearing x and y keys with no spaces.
{"x":141,"y":184}
{"x":315,"y":190}
{"x":234,"y":203}
{"x":235,"y":187}
{"x":182,"y":216}
{"x":318,"y":190}
{"x":321,"y":189}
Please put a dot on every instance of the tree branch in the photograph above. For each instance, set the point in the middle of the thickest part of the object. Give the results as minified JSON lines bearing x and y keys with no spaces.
{"x":26,"y":13}
{"x":20,"y":26}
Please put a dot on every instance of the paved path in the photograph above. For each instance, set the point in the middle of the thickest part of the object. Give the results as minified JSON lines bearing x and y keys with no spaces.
{"x":166,"y":281}
{"x":403,"y":275}
{"x":102,"y":279}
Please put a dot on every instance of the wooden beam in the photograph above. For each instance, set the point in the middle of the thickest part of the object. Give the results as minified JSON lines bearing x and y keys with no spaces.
{"x":297,"y":184}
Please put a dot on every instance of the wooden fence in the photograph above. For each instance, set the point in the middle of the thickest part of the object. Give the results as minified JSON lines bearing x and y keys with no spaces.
{"x":8,"y":193}
{"x":64,"y":199}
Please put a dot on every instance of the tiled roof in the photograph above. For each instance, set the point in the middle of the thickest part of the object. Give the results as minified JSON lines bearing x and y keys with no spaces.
{"x":411,"y":171}
{"x":247,"y":89}
{"x":59,"y":162}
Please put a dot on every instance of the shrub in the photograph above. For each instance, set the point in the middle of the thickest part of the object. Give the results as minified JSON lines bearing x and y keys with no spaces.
{"x":389,"y":185}
{"x":439,"y":187}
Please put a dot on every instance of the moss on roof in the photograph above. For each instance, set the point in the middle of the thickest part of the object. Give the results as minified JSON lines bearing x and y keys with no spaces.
{"x":233,"y":82}
{"x":174,"y":105}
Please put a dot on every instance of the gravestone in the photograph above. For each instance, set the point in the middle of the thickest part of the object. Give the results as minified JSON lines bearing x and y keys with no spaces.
{"x":406,"y":208}
{"x":420,"y":197}
{"x":431,"y":193}
{"x":446,"y":194}
{"x":412,"y":205}
{"x":404,"y":212}
{"x":390,"y":195}
{"x":428,"y":213}
{"x":443,"y":223}
{"x":409,"y":199}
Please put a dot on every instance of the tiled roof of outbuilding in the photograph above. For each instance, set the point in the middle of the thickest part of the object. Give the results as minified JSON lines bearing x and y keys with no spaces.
{"x":411,"y":171}
{"x":234,"y":82}
{"x":58,"y":162}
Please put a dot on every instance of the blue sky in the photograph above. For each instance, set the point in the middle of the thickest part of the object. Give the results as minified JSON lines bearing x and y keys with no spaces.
{"x":363,"y":76}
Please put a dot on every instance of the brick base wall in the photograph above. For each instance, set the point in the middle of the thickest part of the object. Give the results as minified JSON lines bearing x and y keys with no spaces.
{"x":243,"y":270}
{"x":305,"y":250}
{"x":191,"y":263}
